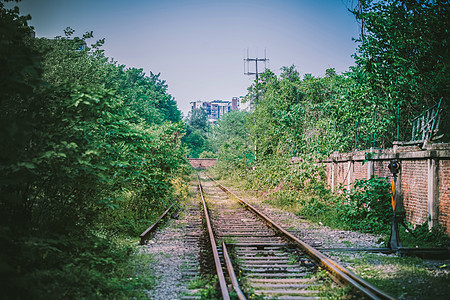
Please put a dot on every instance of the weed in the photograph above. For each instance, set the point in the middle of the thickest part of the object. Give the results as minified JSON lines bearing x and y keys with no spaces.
{"x":425,"y":238}
{"x":206,"y":286}
{"x":403,"y":277}
{"x":347,"y":243}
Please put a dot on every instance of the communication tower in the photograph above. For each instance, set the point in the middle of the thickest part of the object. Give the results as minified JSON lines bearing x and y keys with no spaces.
{"x":257,"y":61}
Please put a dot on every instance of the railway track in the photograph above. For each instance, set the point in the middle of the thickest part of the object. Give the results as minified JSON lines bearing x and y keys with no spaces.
{"x":270,"y":262}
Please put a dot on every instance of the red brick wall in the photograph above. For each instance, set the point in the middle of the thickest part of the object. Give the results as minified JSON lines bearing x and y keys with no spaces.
{"x":414,"y":178}
{"x":444,"y":193}
{"x":359,"y":170}
{"x":328,"y":167}
{"x":381,"y":168}
{"x":202,"y":163}
{"x":341,"y":172}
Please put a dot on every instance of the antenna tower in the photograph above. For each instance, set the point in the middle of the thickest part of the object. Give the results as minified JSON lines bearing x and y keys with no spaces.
{"x":247,"y":61}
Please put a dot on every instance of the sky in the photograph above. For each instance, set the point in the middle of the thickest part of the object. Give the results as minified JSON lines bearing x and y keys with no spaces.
{"x":198,"y":46}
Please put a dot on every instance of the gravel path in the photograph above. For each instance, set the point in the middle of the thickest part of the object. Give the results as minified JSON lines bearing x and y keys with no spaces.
{"x":175,"y":252}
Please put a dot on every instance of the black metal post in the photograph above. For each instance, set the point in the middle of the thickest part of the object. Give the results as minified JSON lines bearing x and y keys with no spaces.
{"x":394,"y":239}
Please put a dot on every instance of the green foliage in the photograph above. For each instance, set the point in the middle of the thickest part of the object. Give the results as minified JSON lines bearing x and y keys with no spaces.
{"x":368,"y":206}
{"x":294,"y":116}
{"x":403,"y":58}
{"x":91,"y":266}
{"x":299,"y":186}
{"x":231,"y":137}
{"x":207,"y":286}
{"x":145,"y":95}
{"x":401,"y":70}
{"x":90,"y":149}
{"x":207,"y":154}
{"x":424,"y":237}
{"x":197,"y":120}
{"x":197,"y":132}
{"x":402,"y":277}
{"x":19,"y":64}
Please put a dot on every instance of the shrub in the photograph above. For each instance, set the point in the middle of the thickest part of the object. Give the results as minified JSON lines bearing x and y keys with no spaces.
{"x":368,"y":206}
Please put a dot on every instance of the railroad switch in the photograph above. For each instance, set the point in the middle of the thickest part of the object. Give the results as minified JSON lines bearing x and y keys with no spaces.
{"x":399,"y":217}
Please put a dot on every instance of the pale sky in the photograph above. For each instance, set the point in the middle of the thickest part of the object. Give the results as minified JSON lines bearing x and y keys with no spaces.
{"x":198,"y":46}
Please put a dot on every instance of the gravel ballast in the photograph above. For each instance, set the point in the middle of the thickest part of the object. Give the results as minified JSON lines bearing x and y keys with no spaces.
{"x":175,"y":251}
{"x":409,"y":278}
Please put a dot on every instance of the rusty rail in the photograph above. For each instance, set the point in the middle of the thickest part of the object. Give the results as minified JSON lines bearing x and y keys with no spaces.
{"x":146,"y":234}
{"x":340,"y":272}
{"x":221,"y":277}
{"x":231,"y":273}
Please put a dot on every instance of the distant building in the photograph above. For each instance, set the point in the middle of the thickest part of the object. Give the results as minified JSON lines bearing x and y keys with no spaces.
{"x":247,"y":106}
{"x":235,"y":103}
{"x":216,"y":108}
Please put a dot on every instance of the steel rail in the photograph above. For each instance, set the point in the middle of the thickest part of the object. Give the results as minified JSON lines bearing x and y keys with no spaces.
{"x":221,"y":277}
{"x":146,"y":234}
{"x":340,"y":272}
{"x":231,"y":273}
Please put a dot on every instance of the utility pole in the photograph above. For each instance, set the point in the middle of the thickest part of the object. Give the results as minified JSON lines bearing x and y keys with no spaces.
{"x":247,"y":61}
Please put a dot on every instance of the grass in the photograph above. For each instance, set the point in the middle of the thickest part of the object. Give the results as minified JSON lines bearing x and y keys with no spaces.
{"x":143,"y":278}
{"x":347,"y":243}
{"x":227,"y":240}
{"x":402,"y":277}
{"x":205,"y":287}
{"x":331,"y":291}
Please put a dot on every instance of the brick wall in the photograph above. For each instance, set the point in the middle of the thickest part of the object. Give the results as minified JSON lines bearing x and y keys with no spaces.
{"x":381,"y":169}
{"x":424,"y":180}
{"x":414,"y":188}
{"x":359,"y":170}
{"x":341,"y":172}
{"x":328,"y":171}
{"x":202,"y":163}
{"x":444,"y":193}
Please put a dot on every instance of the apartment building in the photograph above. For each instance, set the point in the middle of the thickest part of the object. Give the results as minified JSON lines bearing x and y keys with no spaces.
{"x":216,"y":108}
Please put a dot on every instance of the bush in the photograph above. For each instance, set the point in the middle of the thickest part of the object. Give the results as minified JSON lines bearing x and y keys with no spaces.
{"x":301,"y":188}
{"x":368,"y":206}
{"x":78,"y":133}
{"x":425,"y":238}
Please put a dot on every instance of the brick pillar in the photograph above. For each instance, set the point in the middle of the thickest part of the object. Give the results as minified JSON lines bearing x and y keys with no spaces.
{"x":398,"y":192}
{"x":370,"y":167}
{"x":433,"y":191}
{"x":350,"y":174}
{"x":333,"y":174}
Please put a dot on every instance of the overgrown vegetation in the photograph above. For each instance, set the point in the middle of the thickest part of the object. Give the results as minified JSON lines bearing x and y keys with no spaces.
{"x":90,"y":151}
{"x":401,"y":69}
{"x":206,"y":287}
{"x":197,"y":135}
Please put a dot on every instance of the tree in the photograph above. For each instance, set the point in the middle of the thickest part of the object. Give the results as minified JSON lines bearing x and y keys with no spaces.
{"x":232,"y":138}
{"x":403,"y":58}
{"x":78,"y":158}
{"x":198,"y":120}
{"x":146,"y":95}
{"x":197,"y":132}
